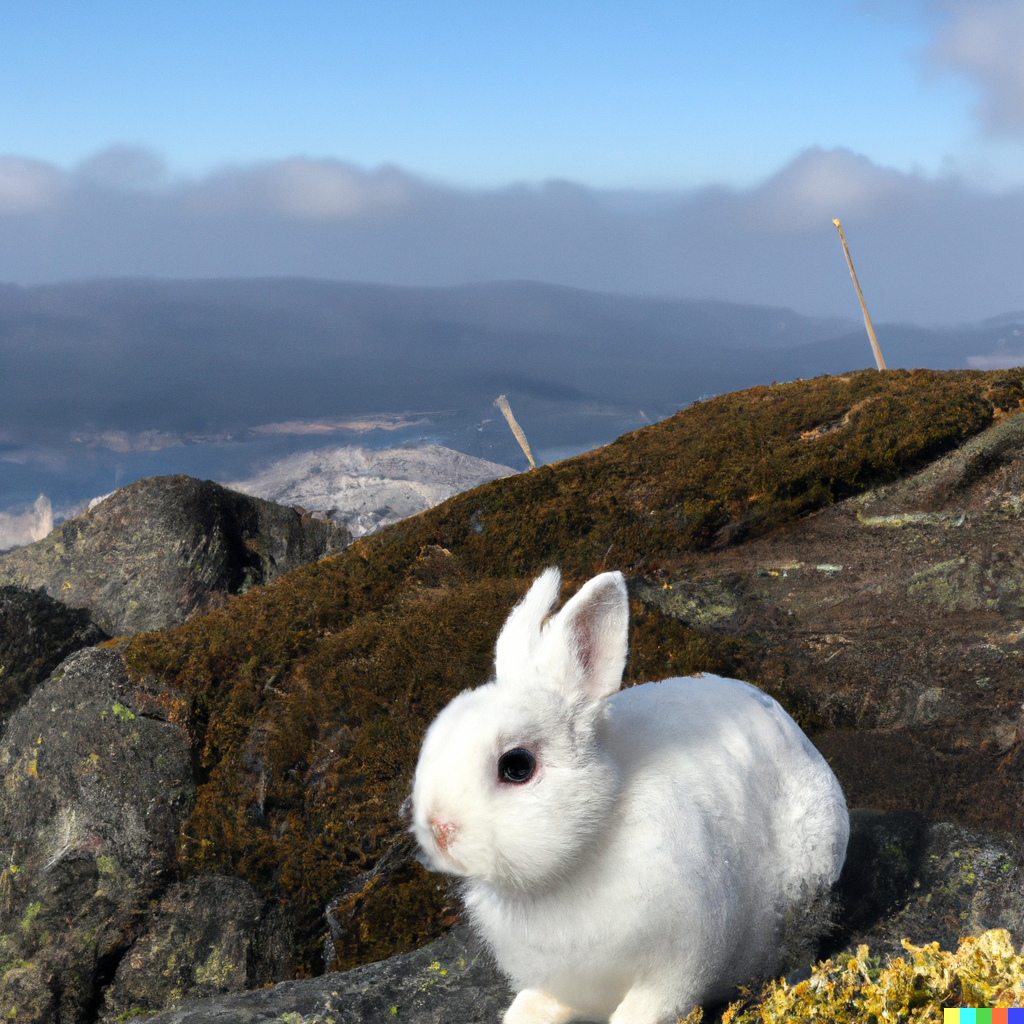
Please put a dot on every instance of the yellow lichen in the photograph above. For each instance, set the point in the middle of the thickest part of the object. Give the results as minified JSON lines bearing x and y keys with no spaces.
{"x":984,"y":971}
{"x":216,"y":970}
{"x":107,"y":865}
{"x":123,"y":714}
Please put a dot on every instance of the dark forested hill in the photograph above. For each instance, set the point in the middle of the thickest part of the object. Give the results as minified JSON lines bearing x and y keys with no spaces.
{"x":105,"y":382}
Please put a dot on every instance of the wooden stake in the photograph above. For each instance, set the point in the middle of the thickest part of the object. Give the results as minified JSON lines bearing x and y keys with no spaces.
{"x":502,"y":403}
{"x":860,"y":295}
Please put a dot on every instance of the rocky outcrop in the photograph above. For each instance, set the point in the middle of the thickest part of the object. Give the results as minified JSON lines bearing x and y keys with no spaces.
{"x":93,"y":924}
{"x":36,"y":634}
{"x":97,"y":777}
{"x":747,"y":525}
{"x":889,"y":623}
{"x":206,"y":936}
{"x":893,"y":623}
{"x":907,"y":877}
{"x":451,"y":981}
{"x":155,"y":552}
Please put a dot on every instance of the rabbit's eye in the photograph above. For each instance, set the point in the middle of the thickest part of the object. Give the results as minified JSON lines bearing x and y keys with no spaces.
{"x":516,"y":765}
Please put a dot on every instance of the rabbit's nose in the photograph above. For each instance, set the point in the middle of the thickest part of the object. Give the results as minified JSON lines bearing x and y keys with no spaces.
{"x":444,"y":833}
{"x":406,"y":810}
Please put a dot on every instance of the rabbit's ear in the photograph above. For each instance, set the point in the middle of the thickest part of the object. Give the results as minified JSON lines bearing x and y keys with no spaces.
{"x":592,"y":634}
{"x":520,"y":636}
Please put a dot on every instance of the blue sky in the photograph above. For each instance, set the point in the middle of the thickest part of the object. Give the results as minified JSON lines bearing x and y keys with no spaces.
{"x":631,"y":95}
{"x":686,"y":149}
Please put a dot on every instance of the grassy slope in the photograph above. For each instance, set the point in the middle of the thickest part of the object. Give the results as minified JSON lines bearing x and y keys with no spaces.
{"x":307,"y":699}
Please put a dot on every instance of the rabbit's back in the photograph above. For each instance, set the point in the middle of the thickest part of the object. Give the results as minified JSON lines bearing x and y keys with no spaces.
{"x":725,"y":754}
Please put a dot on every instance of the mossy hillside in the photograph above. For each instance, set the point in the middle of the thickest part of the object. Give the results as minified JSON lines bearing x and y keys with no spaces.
{"x":308,"y":699}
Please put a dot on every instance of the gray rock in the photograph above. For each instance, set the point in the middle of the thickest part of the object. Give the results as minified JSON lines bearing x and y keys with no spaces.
{"x":36,"y":634}
{"x":95,"y":784}
{"x":703,"y":602}
{"x":927,"y":882}
{"x":155,"y":552}
{"x":450,"y":981}
{"x":208,"y":935}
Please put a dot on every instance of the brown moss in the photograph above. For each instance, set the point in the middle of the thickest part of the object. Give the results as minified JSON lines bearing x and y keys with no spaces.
{"x":309,"y":698}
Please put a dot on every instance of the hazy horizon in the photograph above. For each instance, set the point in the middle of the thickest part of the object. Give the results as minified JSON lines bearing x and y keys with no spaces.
{"x":105,"y":382}
{"x":928,"y":250}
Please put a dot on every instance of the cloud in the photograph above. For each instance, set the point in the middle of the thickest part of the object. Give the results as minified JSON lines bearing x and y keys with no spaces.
{"x":819,"y":182}
{"x":303,"y":189}
{"x":27,"y":186}
{"x":18,"y":530}
{"x":123,"y":167}
{"x":985,"y":42}
{"x":122,"y":441}
{"x":364,"y":425}
{"x":927,"y":249}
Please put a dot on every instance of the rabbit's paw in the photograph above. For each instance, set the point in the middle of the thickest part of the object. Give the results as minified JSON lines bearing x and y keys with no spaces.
{"x":532,"y":1006}
{"x":643,"y":1005}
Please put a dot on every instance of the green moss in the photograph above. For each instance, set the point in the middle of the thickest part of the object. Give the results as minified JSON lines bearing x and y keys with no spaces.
{"x":307,"y":700}
{"x":136,"y":1011}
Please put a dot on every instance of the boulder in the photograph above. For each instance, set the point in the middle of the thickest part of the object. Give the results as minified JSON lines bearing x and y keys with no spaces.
{"x":153,"y":553}
{"x":97,"y":780}
{"x":36,"y":634}
{"x":208,"y":935}
{"x":908,"y":878}
{"x":450,"y":981}
{"x":97,"y":772}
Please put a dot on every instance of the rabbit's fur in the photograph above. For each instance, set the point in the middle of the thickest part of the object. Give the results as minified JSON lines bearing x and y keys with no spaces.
{"x":666,"y":834}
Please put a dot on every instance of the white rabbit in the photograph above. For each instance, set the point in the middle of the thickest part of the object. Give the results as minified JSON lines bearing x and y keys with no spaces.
{"x":627,"y":854}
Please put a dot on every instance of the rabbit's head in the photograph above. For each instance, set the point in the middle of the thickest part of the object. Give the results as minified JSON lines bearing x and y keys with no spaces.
{"x":513,"y":782}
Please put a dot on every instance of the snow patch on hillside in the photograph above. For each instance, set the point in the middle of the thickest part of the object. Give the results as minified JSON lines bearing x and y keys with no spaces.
{"x":364,"y":489}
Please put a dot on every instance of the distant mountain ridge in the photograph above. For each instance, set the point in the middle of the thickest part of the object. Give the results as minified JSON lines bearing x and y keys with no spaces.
{"x":105,"y":382}
{"x":273,"y":349}
{"x":130,"y":351}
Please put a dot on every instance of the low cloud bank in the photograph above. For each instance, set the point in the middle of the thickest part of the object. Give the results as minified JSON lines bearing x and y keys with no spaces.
{"x":18,"y":530}
{"x":930,"y":250}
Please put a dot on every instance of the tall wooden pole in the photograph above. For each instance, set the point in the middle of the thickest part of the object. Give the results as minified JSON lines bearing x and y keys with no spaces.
{"x":860,"y":295}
